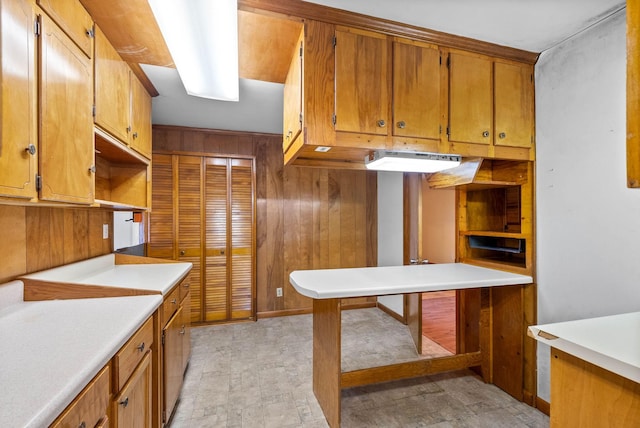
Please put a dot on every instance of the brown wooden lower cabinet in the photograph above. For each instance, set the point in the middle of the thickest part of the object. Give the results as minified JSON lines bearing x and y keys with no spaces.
{"x":90,"y":407}
{"x":176,"y":348}
{"x":132,"y":405}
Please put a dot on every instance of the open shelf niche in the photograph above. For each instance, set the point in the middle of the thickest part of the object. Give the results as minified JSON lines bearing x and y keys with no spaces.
{"x":123,"y":177}
{"x":495,"y":215}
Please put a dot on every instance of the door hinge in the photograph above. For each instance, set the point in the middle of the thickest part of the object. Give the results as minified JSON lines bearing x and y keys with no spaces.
{"x":93,"y":110}
{"x":335,"y":41}
{"x":448,"y":62}
{"x":300,"y":49}
{"x":38,"y":182}
{"x":448,"y":132}
{"x":163,"y":338}
{"x":164,"y":416}
{"x":300,"y":118}
{"x":334,"y":119}
{"x":440,"y":59}
{"x":440,"y":129}
{"x":36,"y":26}
{"x":91,"y":32}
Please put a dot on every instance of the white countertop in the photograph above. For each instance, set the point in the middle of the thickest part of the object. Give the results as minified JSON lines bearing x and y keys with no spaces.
{"x":104,"y":272}
{"x":377,"y":281}
{"x":611,"y":342}
{"x":50,"y":350}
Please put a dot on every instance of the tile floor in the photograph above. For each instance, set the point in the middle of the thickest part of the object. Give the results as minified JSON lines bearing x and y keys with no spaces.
{"x":259,"y":374}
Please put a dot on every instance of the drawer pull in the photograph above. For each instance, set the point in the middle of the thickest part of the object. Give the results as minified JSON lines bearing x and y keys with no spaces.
{"x":186,"y":285}
{"x":125,"y":402}
{"x":174,"y":301}
{"x":183,"y":331}
{"x":82,"y":425}
{"x":140,"y":347}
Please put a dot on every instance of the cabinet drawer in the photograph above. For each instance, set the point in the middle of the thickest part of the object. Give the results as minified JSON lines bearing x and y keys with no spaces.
{"x":170,"y":305}
{"x":73,"y":19}
{"x":90,"y":406}
{"x":132,"y":352}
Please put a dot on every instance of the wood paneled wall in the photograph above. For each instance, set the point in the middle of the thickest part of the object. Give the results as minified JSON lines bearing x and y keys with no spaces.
{"x":307,"y":218}
{"x":37,"y":238}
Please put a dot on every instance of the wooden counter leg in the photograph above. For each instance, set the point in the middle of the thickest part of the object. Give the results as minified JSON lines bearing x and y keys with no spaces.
{"x":326,"y":358}
{"x":486,"y":331}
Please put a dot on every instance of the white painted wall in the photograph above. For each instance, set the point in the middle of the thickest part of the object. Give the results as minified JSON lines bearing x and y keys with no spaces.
{"x":125,"y":233}
{"x":390,"y":230}
{"x":588,"y":222}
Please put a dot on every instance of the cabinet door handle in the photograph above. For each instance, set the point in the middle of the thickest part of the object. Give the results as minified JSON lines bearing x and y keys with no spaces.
{"x":485,"y":134}
{"x":381,"y":123}
{"x":183,"y":330}
{"x":182,"y":253}
{"x":174,"y":301}
{"x":31,"y":149}
{"x":135,"y":135}
{"x":140,"y":347}
{"x":92,"y":169}
{"x":401,"y":124}
{"x":186,"y":285}
{"x":502,"y":135}
{"x":125,"y":402}
{"x":82,"y":425}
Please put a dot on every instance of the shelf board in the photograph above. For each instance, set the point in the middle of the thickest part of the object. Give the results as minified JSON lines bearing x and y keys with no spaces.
{"x":494,"y":234}
{"x":118,"y":205}
{"x":498,"y":264}
{"x":115,"y":151}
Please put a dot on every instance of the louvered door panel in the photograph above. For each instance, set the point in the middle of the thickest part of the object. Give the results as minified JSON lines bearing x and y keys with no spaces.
{"x":242,"y":226}
{"x":161,"y":226}
{"x":216,"y":237}
{"x":189,"y":223}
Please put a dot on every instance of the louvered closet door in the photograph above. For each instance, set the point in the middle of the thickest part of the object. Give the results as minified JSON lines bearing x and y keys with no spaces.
{"x":189,"y":225}
{"x":161,"y":226}
{"x":242,"y":238}
{"x":216,"y":236}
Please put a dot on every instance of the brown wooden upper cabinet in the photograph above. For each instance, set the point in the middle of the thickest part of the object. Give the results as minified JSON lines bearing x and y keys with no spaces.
{"x":416,"y":90}
{"x":18,"y":144}
{"x":66,"y":122}
{"x":123,"y":105}
{"x":490,"y":107}
{"x":73,"y":19}
{"x":293,"y":112}
{"x":361,"y":82}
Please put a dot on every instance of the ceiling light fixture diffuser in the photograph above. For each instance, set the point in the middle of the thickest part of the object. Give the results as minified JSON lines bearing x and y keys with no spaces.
{"x":386,"y":160}
{"x":202,"y":37}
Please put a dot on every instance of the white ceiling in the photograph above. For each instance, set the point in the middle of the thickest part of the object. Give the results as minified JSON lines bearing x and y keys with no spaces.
{"x":531,"y":25}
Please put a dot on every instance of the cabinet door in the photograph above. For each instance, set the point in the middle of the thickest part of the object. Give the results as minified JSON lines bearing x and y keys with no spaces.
{"x":161,"y":217}
{"x":172,"y":362}
{"x":470,"y":99}
{"x":186,"y":331}
{"x":74,"y":20}
{"x":216,"y":297}
{"x":18,"y":123}
{"x":140,"y":118}
{"x":361,"y":85}
{"x":111,"y":89}
{"x":189,"y":225}
{"x":513,"y":97}
{"x":132,"y":406}
{"x":66,"y":120}
{"x":416,"y":91}
{"x":241,"y":194}
{"x":292,"y":119}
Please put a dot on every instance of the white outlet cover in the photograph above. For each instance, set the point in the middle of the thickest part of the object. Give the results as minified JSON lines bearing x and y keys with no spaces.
{"x":105,"y":231}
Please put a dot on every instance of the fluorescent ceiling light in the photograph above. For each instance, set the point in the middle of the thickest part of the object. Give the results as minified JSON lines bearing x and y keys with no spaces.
{"x":202,"y":37}
{"x":385,"y":160}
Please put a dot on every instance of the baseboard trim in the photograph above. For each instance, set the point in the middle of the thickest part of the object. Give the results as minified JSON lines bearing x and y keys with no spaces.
{"x":359,"y":306}
{"x":389,"y":312}
{"x":284,"y":313}
{"x":543,"y":406}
